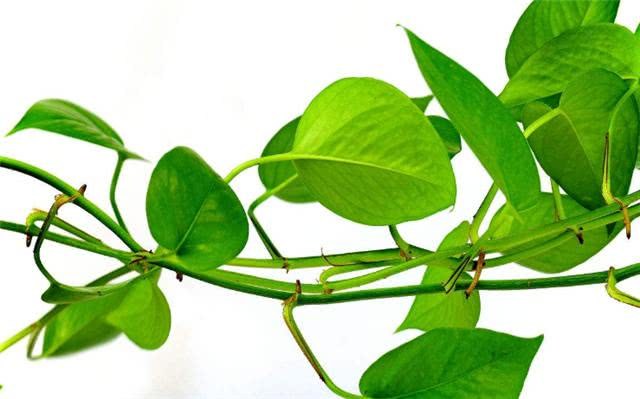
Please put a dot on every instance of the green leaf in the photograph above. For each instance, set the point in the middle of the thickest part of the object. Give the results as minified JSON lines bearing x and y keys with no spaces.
{"x":430,"y":311}
{"x":485,"y":124}
{"x":545,"y":19}
{"x":550,"y":69}
{"x":57,"y":294}
{"x":139,"y":310}
{"x":453,"y":363}
{"x":561,"y":258}
{"x":367,"y":153}
{"x":274,"y":174}
{"x":422,"y":102}
{"x":448,"y":133}
{"x":71,"y":120}
{"x":193,"y":213}
{"x":570,"y":148}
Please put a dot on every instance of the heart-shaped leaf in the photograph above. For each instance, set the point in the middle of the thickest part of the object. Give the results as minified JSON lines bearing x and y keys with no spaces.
{"x":560,"y":258}
{"x":140,"y":311}
{"x":366,"y":152}
{"x":485,"y":124}
{"x":430,"y":311}
{"x":550,"y":69}
{"x":453,"y":363}
{"x":193,"y":213}
{"x":71,"y":120}
{"x":545,"y":19}
{"x":570,"y":148}
{"x":274,"y":174}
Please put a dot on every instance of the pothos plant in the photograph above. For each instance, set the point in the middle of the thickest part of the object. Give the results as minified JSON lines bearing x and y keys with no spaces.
{"x":367,"y":152}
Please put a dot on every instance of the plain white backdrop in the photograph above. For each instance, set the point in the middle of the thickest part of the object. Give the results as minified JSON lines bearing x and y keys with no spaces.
{"x":222,"y":77}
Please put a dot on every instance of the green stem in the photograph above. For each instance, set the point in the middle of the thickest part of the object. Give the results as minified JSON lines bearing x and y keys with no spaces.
{"x":112,"y":191}
{"x":258,"y":161}
{"x":481,"y":213}
{"x":100,"y":249}
{"x":287,"y":313}
{"x":67,"y":189}
{"x":264,"y":237}
{"x":18,"y":337}
{"x":541,"y":121}
{"x":38,"y":215}
{"x":557,"y":201}
{"x":405,"y":248}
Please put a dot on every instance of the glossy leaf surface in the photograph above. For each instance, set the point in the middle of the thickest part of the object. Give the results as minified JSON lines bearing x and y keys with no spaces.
{"x":193,"y":213}
{"x":545,"y":19}
{"x":366,"y":152}
{"x":550,"y":69}
{"x":570,"y":148}
{"x":453,"y":363}
{"x":485,"y":124}
{"x":71,"y":120}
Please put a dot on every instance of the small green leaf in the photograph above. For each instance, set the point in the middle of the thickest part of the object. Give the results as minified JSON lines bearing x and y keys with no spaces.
{"x":139,"y":310}
{"x":71,"y":120}
{"x":367,"y":153}
{"x":485,"y":124}
{"x":453,"y":363}
{"x":550,"y":69}
{"x":430,"y":311}
{"x":57,"y":294}
{"x":422,"y":102}
{"x":560,"y":258}
{"x":193,"y":213}
{"x":274,"y":174}
{"x":545,"y":19}
{"x":570,"y":148}
{"x":448,"y":133}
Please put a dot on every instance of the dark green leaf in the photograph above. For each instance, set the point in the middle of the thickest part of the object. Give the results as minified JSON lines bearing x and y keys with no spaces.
{"x":448,"y":133}
{"x":274,"y":174}
{"x":485,"y":124}
{"x":570,"y":148}
{"x":68,"y":119}
{"x":545,"y":19}
{"x":550,"y":69}
{"x":422,"y":102}
{"x":366,"y":152}
{"x":193,"y":213}
{"x":453,"y":363}
{"x":563,"y":257}
{"x":430,"y":311}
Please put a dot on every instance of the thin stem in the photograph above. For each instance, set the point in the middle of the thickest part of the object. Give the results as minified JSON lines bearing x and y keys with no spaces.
{"x":557,"y":201}
{"x":481,"y":213}
{"x":541,"y":121}
{"x":287,"y":313}
{"x":68,"y":189}
{"x":39,"y":215}
{"x":17,"y":337}
{"x":264,"y":237}
{"x":112,"y":191}
{"x":405,"y":248}
{"x":258,"y":161}
{"x":100,"y":249}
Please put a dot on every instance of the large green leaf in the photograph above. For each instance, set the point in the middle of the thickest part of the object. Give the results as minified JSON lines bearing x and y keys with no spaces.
{"x":485,"y":124}
{"x":430,"y":311}
{"x":570,"y":148}
{"x":545,"y":19}
{"x":193,"y":213}
{"x":274,"y":174}
{"x":453,"y":363}
{"x":550,"y":69}
{"x":561,"y":258}
{"x":366,"y":152}
{"x":140,"y":310}
{"x":68,"y":119}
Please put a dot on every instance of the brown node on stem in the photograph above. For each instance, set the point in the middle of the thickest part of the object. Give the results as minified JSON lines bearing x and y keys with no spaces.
{"x":625,"y":216}
{"x":580,"y":235}
{"x":479,"y":265}
{"x":285,"y":265}
{"x":179,"y":276}
{"x":330,"y":263}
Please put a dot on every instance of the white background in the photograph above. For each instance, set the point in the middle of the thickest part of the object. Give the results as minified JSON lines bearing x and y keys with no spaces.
{"x":222,"y":77}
